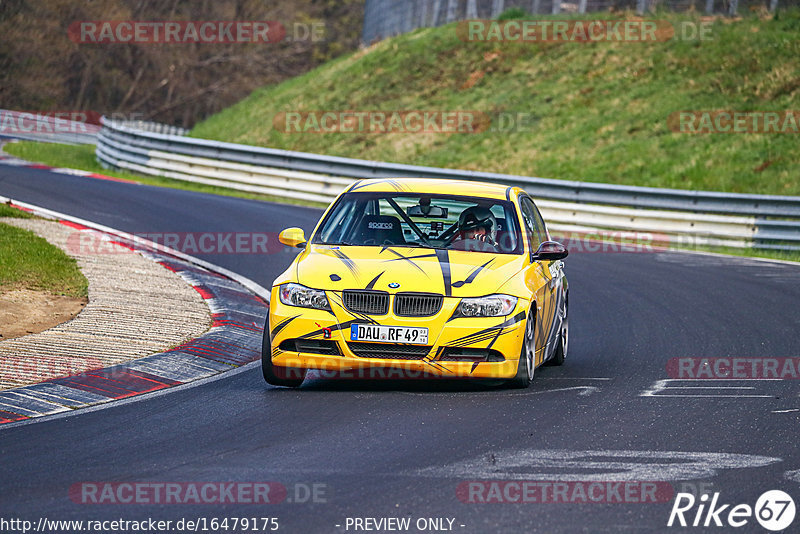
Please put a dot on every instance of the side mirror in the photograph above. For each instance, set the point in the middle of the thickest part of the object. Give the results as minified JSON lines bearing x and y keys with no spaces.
{"x":550,"y":251}
{"x":293,"y":237}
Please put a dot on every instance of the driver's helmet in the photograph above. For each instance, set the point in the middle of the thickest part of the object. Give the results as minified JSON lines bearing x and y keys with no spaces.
{"x":478,"y":217}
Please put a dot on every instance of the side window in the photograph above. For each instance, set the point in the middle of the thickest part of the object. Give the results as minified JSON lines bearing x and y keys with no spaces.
{"x":541,"y":228}
{"x":339,"y":225}
{"x":534,"y":226}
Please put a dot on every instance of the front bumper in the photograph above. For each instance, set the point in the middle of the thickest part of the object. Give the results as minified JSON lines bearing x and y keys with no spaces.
{"x":464,"y":347}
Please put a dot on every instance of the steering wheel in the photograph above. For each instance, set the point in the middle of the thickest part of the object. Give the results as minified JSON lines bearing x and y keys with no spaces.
{"x":477,"y":245}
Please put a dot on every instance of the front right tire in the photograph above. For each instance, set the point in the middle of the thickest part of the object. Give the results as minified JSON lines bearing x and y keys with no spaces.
{"x":560,"y":354}
{"x":277,"y":376}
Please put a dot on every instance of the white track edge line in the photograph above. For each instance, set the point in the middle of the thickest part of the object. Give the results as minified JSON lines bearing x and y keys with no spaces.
{"x":113,"y":403}
{"x":721,"y":255}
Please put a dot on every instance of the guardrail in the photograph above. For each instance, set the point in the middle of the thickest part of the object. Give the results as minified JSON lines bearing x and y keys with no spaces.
{"x":693,"y":217}
{"x":48,"y":128}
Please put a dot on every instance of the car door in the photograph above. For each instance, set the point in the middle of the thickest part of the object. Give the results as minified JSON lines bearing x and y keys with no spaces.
{"x":539,"y":276}
{"x":556,"y":283}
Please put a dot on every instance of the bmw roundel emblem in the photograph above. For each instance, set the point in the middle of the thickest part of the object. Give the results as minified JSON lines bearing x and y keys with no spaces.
{"x":394,"y":285}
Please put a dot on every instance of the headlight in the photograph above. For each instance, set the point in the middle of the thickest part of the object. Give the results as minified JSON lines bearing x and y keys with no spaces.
{"x":490,"y":306}
{"x":305,"y":297}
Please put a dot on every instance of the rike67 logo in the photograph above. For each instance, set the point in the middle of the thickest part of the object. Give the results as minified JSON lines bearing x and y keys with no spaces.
{"x":774,"y":510}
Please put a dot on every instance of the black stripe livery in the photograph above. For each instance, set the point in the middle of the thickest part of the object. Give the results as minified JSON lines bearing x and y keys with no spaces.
{"x":374,"y":281}
{"x":444,"y":263}
{"x":280,"y":326}
{"x":473,"y":274}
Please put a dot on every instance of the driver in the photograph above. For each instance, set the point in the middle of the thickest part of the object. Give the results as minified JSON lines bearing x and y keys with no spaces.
{"x":477,"y":223}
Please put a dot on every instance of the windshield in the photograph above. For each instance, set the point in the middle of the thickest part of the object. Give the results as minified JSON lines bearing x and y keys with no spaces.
{"x":414,"y":220}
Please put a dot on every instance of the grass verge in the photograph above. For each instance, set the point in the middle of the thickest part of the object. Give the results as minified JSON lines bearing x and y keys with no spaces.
{"x":28,"y":261}
{"x":8,"y":211}
{"x":595,"y":111}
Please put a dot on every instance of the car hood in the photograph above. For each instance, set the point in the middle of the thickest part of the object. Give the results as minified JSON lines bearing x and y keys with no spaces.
{"x":447,"y":272}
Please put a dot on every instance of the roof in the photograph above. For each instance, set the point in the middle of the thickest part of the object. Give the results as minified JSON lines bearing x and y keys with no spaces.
{"x":435,"y":186}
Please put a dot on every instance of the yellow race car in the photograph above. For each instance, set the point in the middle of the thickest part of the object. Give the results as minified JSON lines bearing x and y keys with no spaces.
{"x":410,"y":278}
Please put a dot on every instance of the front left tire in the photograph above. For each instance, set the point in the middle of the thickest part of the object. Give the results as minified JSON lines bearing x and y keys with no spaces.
{"x":527,"y":357}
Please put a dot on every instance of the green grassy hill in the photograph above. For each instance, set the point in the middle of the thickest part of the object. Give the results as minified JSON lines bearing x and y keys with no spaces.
{"x":598,"y":110}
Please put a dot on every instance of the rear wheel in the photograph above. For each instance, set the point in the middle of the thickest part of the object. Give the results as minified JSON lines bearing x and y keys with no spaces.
{"x":278,"y":376}
{"x":527,"y":357}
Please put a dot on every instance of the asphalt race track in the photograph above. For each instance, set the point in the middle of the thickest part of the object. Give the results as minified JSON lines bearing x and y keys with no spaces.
{"x":382,"y":449}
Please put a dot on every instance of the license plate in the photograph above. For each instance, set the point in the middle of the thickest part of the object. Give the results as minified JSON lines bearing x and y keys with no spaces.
{"x":389,"y":334}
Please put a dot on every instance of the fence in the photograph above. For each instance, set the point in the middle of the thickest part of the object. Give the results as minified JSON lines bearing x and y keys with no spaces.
{"x":385,"y":18}
{"x":689,"y":217}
